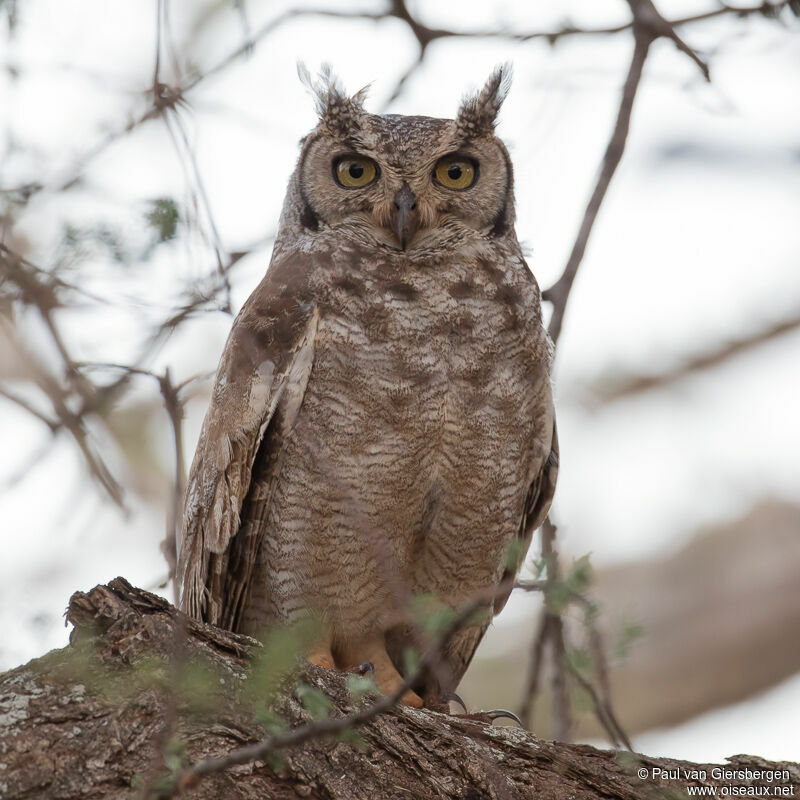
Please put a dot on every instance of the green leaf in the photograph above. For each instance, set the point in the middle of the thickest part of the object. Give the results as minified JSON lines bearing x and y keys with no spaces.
{"x":313,"y":700}
{"x":275,"y":761}
{"x":538,"y":567}
{"x":628,"y":635}
{"x":360,"y":686}
{"x":579,"y":659}
{"x":163,"y":216}
{"x":199,"y":685}
{"x":276,"y":662}
{"x":430,"y":613}
{"x":581,"y":700}
{"x":575,"y":582}
{"x":580,"y":575}
{"x":514,"y":554}
{"x":410,"y":660}
{"x":354,"y":738}
{"x":271,"y":721}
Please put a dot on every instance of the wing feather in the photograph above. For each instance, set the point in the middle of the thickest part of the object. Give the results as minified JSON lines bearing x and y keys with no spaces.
{"x":264,"y":369}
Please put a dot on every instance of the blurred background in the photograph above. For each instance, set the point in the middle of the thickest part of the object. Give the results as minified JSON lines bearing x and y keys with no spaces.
{"x":138,"y":200}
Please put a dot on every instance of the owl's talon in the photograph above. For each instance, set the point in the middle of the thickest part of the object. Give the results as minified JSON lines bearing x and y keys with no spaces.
{"x":452,"y":697}
{"x":366,"y":667}
{"x":502,"y":713}
{"x":490,"y":716}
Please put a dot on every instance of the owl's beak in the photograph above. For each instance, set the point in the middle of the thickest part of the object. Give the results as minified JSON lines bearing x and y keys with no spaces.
{"x":405,"y":219}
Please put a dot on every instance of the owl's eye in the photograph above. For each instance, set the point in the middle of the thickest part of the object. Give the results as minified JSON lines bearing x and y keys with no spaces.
{"x":456,"y":172}
{"x":353,"y":172}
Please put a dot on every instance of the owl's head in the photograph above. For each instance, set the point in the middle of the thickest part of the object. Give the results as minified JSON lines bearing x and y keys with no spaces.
{"x":403,"y":182}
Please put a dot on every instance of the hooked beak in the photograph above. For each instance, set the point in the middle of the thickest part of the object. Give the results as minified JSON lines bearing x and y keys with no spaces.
{"x":405,"y":219}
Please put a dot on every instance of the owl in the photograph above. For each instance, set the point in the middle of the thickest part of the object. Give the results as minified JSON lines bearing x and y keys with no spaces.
{"x":381,"y":426}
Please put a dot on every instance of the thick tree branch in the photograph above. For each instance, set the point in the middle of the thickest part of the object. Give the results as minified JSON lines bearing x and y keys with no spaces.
{"x":84,"y":721}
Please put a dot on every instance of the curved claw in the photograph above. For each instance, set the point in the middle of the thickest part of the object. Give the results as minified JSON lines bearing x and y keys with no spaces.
{"x":452,"y":697}
{"x":502,"y":713}
{"x":366,"y":667}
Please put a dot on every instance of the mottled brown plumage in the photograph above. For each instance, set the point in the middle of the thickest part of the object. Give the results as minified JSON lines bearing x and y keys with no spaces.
{"x":382,"y":419}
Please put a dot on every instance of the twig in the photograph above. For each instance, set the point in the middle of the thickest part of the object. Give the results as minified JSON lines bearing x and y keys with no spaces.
{"x":174,"y":407}
{"x":201,"y":191}
{"x":175,"y":411}
{"x":562,"y":710}
{"x":534,"y":670}
{"x":608,"y":717}
{"x":600,"y":711}
{"x":558,"y":294}
{"x":24,"y":404}
{"x":609,"y":389}
{"x":190,"y":777}
{"x":176,"y":93}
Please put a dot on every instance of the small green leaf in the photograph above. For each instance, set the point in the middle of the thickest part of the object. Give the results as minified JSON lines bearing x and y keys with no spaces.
{"x":514,"y":554}
{"x":163,"y":216}
{"x":538,"y":567}
{"x":199,"y":686}
{"x":430,"y":613}
{"x":580,"y":660}
{"x":360,"y":686}
{"x":630,"y":633}
{"x":276,"y":662}
{"x":354,"y":738}
{"x":275,"y":761}
{"x":581,"y":700}
{"x":271,"y":721}
{"x":410,"y":660}
{"x":313,"y":700}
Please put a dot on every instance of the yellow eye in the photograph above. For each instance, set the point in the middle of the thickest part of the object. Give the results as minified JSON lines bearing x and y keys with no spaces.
{"x":456,"y":172}
{"x":353,"y":172}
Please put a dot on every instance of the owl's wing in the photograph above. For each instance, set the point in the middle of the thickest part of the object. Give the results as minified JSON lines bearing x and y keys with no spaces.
{"x":537,"y":504}
{"x":462,"y":646}
{"x":259,"y":387}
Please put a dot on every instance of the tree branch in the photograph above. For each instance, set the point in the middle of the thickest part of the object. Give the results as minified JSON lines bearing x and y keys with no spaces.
{"x":86,"y":720}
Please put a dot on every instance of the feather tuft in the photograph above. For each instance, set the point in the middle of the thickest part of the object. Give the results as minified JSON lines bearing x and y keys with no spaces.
{"x":339,"y":113}
{"x":477,"y":115}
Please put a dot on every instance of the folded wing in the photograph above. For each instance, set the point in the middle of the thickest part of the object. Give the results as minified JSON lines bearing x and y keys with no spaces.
{"x":258,"y":391}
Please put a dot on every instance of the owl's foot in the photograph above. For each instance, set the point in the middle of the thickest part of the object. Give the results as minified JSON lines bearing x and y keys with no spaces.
{"x":452,"y":697}
{"x":490,"y":716}
{"x":322,"y":657}
{"x":372,"y":650}
{"x":442,"y":703}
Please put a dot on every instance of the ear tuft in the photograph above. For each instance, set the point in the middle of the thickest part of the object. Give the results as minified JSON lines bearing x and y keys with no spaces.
{"x":339,"y":114}
{"x":477,"y":115}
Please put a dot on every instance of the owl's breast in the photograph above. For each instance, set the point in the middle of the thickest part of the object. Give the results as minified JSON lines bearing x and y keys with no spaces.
{"x":404,"y":354}
{"x":425,"y":417}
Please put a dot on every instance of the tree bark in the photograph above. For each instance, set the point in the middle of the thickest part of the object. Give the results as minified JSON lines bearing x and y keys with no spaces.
{"x":101,"y":719}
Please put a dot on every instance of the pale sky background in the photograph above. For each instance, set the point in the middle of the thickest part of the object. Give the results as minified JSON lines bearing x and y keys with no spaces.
{"x":698,"y":241}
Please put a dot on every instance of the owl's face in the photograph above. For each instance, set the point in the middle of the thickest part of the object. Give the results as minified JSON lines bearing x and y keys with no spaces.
{"x":407,"y":182}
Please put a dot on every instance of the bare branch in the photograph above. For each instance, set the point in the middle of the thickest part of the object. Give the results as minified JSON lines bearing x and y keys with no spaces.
{"x":609,"y":388}
{"x":648,"y":25}
{"x":558,"y":294}
{"x":24,"y":404}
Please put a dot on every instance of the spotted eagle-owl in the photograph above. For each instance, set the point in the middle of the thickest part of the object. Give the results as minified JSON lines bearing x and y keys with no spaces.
{"x":382,"y":422}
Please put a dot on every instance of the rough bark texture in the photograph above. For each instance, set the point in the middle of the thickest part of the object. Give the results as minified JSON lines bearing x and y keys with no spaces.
{"x":90,"y":721}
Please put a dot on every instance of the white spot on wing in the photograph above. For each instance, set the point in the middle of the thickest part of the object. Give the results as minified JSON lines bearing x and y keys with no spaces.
{"x":261,"y":387}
